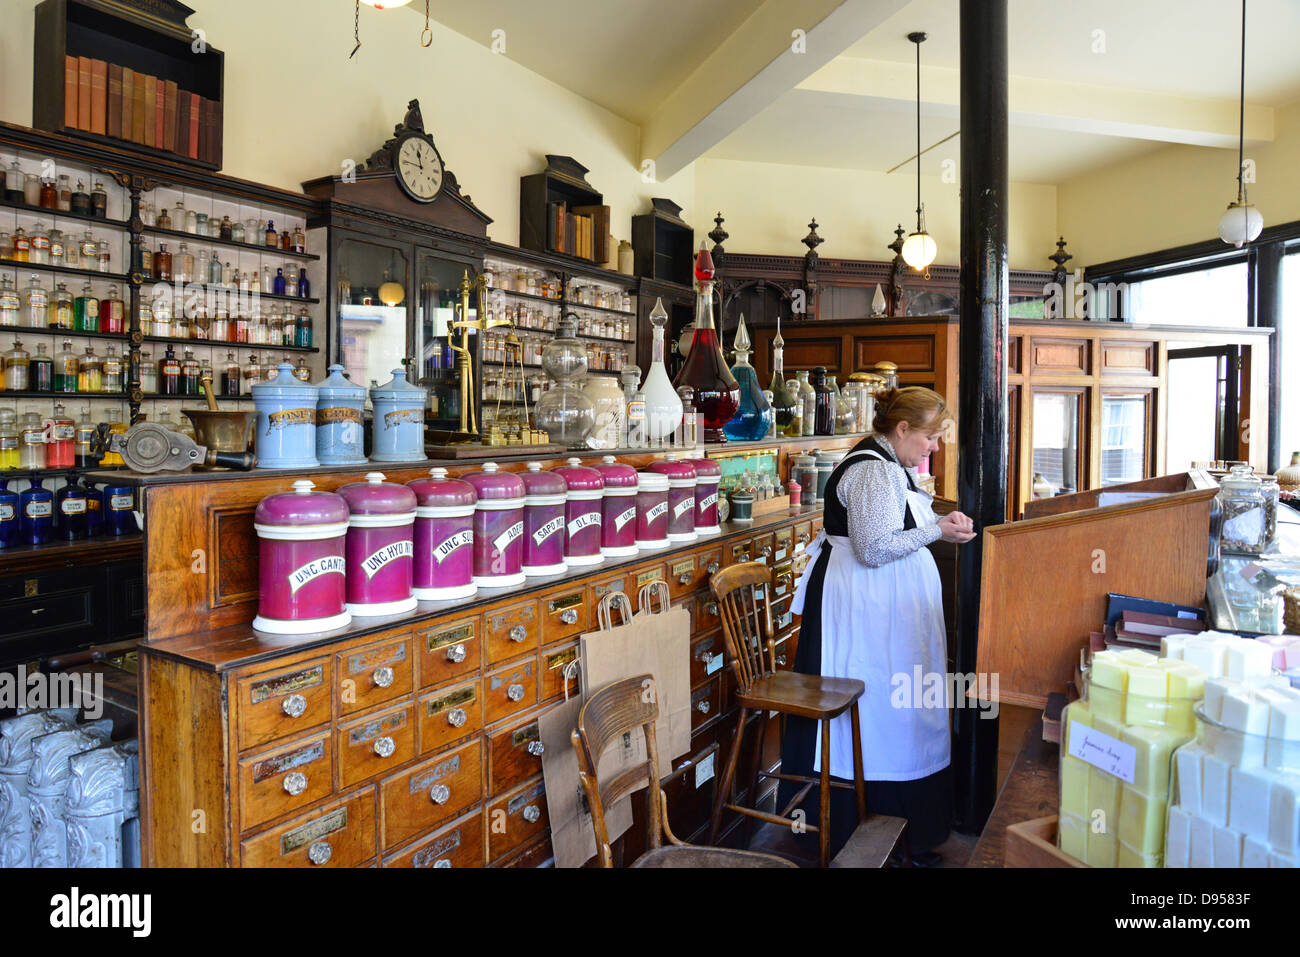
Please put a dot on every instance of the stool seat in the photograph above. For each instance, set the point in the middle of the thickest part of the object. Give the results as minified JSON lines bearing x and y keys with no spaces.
{"x":696,"y":857}
{"x":807,"y":696}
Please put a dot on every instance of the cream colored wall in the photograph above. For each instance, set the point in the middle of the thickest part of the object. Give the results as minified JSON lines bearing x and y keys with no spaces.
{"x":297,"y":107}
{"x":1176,"y":195}
{"x":767,"y":207}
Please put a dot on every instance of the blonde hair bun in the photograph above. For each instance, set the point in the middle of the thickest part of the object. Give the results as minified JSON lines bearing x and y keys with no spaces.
{"x":919,"y":407}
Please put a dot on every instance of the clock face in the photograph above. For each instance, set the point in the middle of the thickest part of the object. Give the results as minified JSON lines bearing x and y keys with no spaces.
{"x":419,"y":169}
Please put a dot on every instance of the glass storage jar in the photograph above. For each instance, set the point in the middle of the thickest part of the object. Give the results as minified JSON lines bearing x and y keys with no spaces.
{"x":1241,"y":497}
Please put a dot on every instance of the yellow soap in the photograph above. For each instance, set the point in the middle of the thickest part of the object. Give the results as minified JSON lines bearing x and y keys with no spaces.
{"x":1185,"y":680}
{"x":1108,"y":670}
{"x":1107,"y":724}
{"x":1074,"y":786}
{"x":1136,"y":656}
{"x":1103,"y":796}
{"x":1102,"y":849}
{"x":1106,"y":704}
{"x":1073,"y":834}
{"x":1154,"y":747}
{"x":1142,"y":822}
{"x":1128,"y":857}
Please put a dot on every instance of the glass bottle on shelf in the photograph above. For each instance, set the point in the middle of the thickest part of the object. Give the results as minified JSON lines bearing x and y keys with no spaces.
{"x":183,"y":267}
{"x":564,"y":412}
{"x":61,"y":439}
{"x":807,"y":402}
{"x":277,"y":284}
{"x":148,"y":216}
{"x":301,"y":371}
{"x":164,"y":218}
{"x":291,"y":282}
{"x":58,"y":247}
{"x":692,"y":427}
{"x":9,"y":439}
{"x":717,"y":395}
{"x":228,"y":275}
{"x":227,"y":230}
{"x":180,"y":218}
{"x":214,"y":269}
{"x":205,"y":373}
{"x":824,"y":407}
{"x":189,"y":373}
{"x":90,"y":372}
{"x":88,"y":248}
{"x":15,"y":180}
{"x":169,"y":373}
{"x":65,"y":368}
{"x":844,"y":414}
{"x":17,"y":363}
{"x":113,"y":380}
{"x":299,"y":244}
{"x":220,"y":330}
{"x":64,"y":192}
{"x":105,"y":258}
{"x":663,"y":407}
{"x":49,"y":195}
{"x":236,"y":232}
{"x":112,"y":311}
{"x":10,"y":304}
{"x":6,"y":245}
{"x":231,"y":376}
{"x":36,"y":304}
{"x":302,"y":330}
{"x":31,"y":444}
{"x":285,"y":240}
{"x":99,"y":201}
{"x":785,"y":404}
{"x":38,"y":249}
{"x":753,"y":418}
{"x":304,"y":285}
{"x":240,"y":326}
{"x":269,"y":237}
{"x":115,"y":427}
{"x":32,"y":190}
{"x":83,"y":456}
{"x":162,"y":264}
{"x":252,"y":373}
{"x":202,"y":267}
{"x":275,"y":329}
{"x":40,"y":376}
{"x":145,"y":260}
{"x":22,"y":245}
{"x":148,"y":374}
{"x":85,"y":309}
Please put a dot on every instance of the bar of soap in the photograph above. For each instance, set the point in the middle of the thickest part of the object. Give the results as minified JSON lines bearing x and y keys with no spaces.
{"x":1171,"y":646}
{"x":1235,"y":748}
{"x":1250,"y":790}
{"x":1141,"y":821}
{"x":1246,"y":711}
{"x":1138,"y":657}
{"x":1073,"y":834}
{"x":1074,"y":786}
{"x":1284,"y":814}
{"x":1292,"y":650}
{"x":1106,"y":724}
{"x":1102,"y":849}
{"x":1184,"y":680}
{"x":1214,"y":789}
{"x":1151,"y":767}
{"x":1284,"y":717}
{"x":1202,"y":845}
{"x":1178,"y":838}
{"x":1107,"y":670}
{"x":1103,"y":796}
{"x":1131,"y":857}
{"x":1246,"y":658}
{"x":1187,"y":759}
{"x":1207,"y":654}
{"x":1215,"y":689}
{"x":1145,"y":703}
{"x":1254,"y":853}
{"x":1227,"y":847}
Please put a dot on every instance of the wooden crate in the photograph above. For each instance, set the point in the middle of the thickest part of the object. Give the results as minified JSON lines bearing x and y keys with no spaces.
{"x":1033,"y":844}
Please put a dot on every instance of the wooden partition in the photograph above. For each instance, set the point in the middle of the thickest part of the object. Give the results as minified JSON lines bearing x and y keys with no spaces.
{"x":1045,"y":579}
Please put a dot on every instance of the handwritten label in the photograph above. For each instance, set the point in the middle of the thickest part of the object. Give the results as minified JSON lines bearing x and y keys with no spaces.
{"x":503,"y":541}
{"x":547,"y":530}
{"x":443,"y":551}
{"x":332,"y":564}
{"x":1102,"y":751}
{"x":623,"y":517}
{"x":389,"y":553}
{"x":682,"y":507}
{"x":583,"y":521}
{"x":704,"y":770}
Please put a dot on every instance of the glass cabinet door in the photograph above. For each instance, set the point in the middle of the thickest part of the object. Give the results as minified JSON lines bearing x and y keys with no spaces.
{"x":1057,"y":426}
{"x":1125,"y":436}
{"x":437,"y":368}
{"x":373,"y":325}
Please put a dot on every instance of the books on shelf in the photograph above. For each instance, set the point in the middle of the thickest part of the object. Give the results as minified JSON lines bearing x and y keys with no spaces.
{"x":576,"y":232}
{"x":113,"y":100}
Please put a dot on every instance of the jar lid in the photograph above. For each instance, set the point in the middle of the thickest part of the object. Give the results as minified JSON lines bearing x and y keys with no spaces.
{"x":285,"y":385}
{"x":302,"y":508}
{"x":542,"y":486}
{"x":651,"y":482}
{"x":579,"y":478}
{"x":438,"y":491}
{"x":374,"y":496}
{"x":706,"y":470}
{"x":492,"y":485}
{"x":805,"y":460}
{"x":397,"y":388}
{"x":616,"y":474}
{"x":336,"y":386}
{"x":679,"y":473}
{"x":739,"y":494}
{"x":1240,"y":476}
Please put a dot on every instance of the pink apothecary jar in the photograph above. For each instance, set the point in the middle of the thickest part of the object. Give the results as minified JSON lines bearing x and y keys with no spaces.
{"x":544,"y":521}
{"x":444,"y":537}
{"x":618,"y":509}
{"x":582,"y":511}
{"x":379,"y":547}
{"x":498,"y":527}
{"x":681,"y":497}
{"x":301,"y":540}
{"x":707,"y":476}
{"x":651,"y":510}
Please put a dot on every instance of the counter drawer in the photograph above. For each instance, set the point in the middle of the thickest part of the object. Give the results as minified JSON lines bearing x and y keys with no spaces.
{"x":707,"y":658}
{"x":510,"y":690}
{"x":290,"y":777}
{"x":738,"y":552}
{"x":341,"y":834}
{"x":684,"y":576}
{"x":803,"y":536}
{"x":763,"y":549}
{"x":706,"y":702}
{"x":553,"y":664}
{"x":641,"y":578}
{"x":710,"y":562}
{"x":516,"y":818}
{"x":450,"y":714}
{"x":374,"y":674}
{"x":692,"y":606}
{"x":565,"y":614}
{"x":603,"y":587}
{"x":278,"y":703}
{"x":448,"y":651}
{"x":514,"y":755}
{"x":511,"y":631}
{"x":709,"y":615}
{"x":783,"y":544}
{"x":459,"y":844}
{"x":433,"y":791}
{"x":785,"y":654}
{"x":375,"y":744}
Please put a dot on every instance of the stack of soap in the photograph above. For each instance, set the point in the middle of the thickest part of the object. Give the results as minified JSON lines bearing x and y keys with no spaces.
{"x":1237,"y":800}
{"x":1144,"y":703}
{"x":1286,"y":651}
{"x":1222,"y":655}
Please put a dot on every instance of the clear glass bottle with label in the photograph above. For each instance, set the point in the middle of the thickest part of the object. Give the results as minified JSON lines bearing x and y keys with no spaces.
{"x":189,"y":373}
{"x":90,"y":371}
{"x":40,"y":376}
{"x":85,"y":435}
{"x":16,"y":366}
{"x":85,"y":309}
{"x":38,"y":250}
{"x":58,"y":247}
{"x":36,"y":304}
{"x":31,"y":443}
{"x":65,"y":368}
{"x":10,"y":304}
{"x":113,"y":379}
{"x":9,"y":439}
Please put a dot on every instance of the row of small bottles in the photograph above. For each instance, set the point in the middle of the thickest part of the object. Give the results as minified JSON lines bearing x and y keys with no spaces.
{"x":54,"y":247}
{"x":173,"y":376}
{"x":54,"y":443}
{"x":76,"y":511}
{"x":65,"y":371}
{"x":182,"y":266}
{"x":162,"y":319}
{"x":48,"y":192}
{"x":36,"y":307}
{"x":256,"y":232}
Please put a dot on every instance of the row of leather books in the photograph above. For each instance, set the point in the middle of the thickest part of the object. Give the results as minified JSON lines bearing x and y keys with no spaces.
{"x":577,"y":232}
{"x":116,"y":101}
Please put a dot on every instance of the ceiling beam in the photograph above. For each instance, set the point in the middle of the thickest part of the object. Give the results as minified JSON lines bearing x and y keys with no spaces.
{"x":750,"y":69}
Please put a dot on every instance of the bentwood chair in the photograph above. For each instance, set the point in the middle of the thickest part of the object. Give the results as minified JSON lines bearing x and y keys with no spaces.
{"x":609,"y":714}
{"x":747,"y":629}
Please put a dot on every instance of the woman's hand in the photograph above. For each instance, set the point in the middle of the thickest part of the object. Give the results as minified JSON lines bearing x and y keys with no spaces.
{"x":957,"y":528}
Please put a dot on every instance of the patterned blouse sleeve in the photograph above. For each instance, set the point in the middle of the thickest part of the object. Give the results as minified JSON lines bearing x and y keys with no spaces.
{"x":875,"y":495}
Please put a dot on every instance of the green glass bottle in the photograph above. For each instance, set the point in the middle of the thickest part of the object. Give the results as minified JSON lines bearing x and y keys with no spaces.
{"x":784,"y":402}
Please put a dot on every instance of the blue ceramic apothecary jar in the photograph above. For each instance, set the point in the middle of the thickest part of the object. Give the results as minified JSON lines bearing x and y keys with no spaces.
{"x":340,"y":429}
{"x":286,"y":421}
{"x":398,"y":434}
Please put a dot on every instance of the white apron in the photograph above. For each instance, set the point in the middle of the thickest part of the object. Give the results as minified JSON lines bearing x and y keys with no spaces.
{"x":879,"y":625}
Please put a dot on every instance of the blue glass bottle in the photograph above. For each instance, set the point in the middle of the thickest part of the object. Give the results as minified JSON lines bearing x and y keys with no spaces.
{"x":277,"y":284}
{"x":304,"y":287}
{"x":9,"y":512}
{"x":70,"y":505}
{"x":94,"y":509}
{"x":753,"y":420}
{"x":36,"y":506}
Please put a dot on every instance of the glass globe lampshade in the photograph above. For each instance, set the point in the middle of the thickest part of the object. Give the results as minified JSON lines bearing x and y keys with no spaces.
{"x":1240,"y":224}
{"x":385,"y":4}
{"x":919,"y":250}
{"x":391,"y":293}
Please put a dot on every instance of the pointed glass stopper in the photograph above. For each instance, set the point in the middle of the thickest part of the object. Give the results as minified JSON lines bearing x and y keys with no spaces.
{"x":659,"y":315}
{"x":741,"y":344}
{"x":704,"y":264}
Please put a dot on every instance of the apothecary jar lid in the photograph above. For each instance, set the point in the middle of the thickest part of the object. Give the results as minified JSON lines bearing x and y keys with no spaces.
{"x":493,"y":485}
{"x":439,"y":491}
{"x":314,"y":514}
{"x":374,"y":496}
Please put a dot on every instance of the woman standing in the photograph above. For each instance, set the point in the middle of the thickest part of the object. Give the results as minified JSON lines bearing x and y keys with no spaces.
{"x":873,"y":610}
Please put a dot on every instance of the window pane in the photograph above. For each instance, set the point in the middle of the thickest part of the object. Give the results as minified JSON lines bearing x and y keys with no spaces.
{"x":1290,"y":358}
{"x":1194,"y":391}
{"x":1056,"y":440}
{"x":1208,"y":297}
{"x":1123,"y":438}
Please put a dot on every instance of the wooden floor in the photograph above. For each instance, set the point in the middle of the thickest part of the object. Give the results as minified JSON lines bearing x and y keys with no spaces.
{"x":956,"y":851}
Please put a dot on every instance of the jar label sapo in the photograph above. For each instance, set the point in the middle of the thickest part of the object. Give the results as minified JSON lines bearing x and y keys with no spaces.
{"x":504,"y":540}
{"x":546,"y":531}
{"x":308,"y":573}
{"x":389,"y":553}
{"x":443,"y":551}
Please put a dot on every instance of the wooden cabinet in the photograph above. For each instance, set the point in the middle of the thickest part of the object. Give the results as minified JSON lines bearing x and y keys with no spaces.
{"x":340,"y":834}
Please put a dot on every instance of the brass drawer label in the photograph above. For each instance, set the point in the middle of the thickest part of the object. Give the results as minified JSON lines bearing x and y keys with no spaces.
{"x":563,"y":602}
{"x":645,"y":578}
{"x":496,"y":681}
{"x":275,"y":687}
{"x":560,"y":658}
{"x":524,"y":735}
{"x":605,"y":588}
{"x":390,"y":654}
{"x":373,"y":729}
{"x":521,"y":801}
{"x":313,"y":830}
{"x":429,"y":856}
{"x":281,"y":763}
{"x":742,"y":549}
{"x":522,"y":613}
{"x":451,"y":699}
{"x":449,"y":636}
{"x":682,"y":567}
{"x":422,"y":782}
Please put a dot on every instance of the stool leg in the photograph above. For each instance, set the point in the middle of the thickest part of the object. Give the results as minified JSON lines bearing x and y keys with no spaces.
{"x":724,"y":783}
{"x":858,"y":786}
{"x":824,"y":819}
{"x":760,"y":734}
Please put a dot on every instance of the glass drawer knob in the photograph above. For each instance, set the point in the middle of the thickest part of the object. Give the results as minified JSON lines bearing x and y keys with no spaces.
{"x":442,"y":862}
{"x":532,"y":813}
{"x":780,"y":661}
{"x":456,"y":653}
{"x":295,"y":782}
{"x":294,"y":705}
{"x":383,"y":676}
{"x":320,"y":852}
{"x":456,"y":717}
{"x":385,"y":746}
{"x":684,"y":578}
{"x":706,"y":657}
{"x":569,"y":616}
{"x":440,"y":794}
{"x":536,"y":748}
{"x":702,"y":707}
{"x":767,"y":551}
{"x":518,"y":633}
{"x":712,"y":608}
{"x":515,"y":692}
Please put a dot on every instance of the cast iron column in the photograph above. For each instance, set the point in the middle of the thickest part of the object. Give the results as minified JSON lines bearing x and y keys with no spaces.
{"x":982,"y":369}
{"x":1266,"y":312}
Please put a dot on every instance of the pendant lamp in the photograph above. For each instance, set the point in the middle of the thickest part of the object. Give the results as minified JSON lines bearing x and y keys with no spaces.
{"x":919,"y":249}
{"x":385,"y":4}
{"x":1242,"y":222}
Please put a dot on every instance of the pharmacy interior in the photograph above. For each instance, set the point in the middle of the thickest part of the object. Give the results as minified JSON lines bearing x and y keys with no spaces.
{"x":372,"y":476}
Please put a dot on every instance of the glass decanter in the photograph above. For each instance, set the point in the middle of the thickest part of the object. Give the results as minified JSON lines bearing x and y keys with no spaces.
{"x":785,"y":403}
{"x":754,"y":417}
{"x":563,"y":412}
{"x":717,"y":395}
{"x":663,"y":407}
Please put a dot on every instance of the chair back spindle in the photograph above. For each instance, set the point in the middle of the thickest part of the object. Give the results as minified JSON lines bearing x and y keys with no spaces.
{"x":746,"y":620}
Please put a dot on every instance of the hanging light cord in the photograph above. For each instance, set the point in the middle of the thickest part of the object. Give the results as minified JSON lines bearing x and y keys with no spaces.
{"x":1241,"y":113}
{"x":426,"y":37}
{"x":356,"y":30}
{"x":918,"y":133}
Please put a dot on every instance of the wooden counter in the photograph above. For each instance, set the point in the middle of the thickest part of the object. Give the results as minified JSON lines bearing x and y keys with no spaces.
{"x":1031,"y":790}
